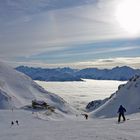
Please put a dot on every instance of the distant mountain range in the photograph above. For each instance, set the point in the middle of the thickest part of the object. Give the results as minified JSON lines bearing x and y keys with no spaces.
{"x":68,"y":74}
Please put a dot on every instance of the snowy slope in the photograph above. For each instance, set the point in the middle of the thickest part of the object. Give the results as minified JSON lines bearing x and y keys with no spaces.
{"x":32,"y":128}
{"x":127,"y":95}
{"x":18,"y":90}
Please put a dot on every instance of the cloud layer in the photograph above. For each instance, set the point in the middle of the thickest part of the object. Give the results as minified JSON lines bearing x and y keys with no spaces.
{"x":60,"y":31}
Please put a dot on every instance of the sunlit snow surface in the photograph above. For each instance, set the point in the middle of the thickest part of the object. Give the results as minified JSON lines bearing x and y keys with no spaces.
{"x":35,"y":126}
{"x":79,"y":94}
{"x":32,"y":128}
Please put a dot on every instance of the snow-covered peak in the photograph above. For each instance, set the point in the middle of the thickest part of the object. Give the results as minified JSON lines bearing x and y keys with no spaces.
{"x":68,"y":74}
{"x":127,"y":95}
{"x":18,"y":90}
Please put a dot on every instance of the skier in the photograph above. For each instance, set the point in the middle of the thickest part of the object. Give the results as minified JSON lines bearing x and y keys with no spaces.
{"x":17,"y":122}
{"x":86,"y":116}
{"x":121,"y":111}
{"x":12,"y":123}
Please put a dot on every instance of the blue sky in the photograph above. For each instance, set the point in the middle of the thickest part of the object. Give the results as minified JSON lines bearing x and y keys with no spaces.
{"x":75,"y":33}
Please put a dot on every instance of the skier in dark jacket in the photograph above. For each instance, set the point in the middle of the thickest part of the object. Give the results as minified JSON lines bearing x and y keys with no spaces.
{"x":17,"y":122}
{"x":12,"y":123}
{"x":121,"y":111}
{"x":86,"y":116}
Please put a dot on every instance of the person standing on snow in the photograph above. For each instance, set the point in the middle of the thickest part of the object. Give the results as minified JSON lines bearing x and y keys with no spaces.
{"x":12,"y":123}
{"x":17,"y":122}
{"x":121,"y":112}
{"x":86,"y":116}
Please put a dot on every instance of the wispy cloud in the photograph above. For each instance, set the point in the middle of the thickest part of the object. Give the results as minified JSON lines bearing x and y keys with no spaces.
{"x":113,"y":62}
{"x":133,"y":62}
{"x":62,"y":31}
{"x":90,"y":51}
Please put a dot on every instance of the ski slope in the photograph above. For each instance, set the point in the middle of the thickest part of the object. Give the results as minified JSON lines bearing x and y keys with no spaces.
{"x":18,"y":90}
{"x":33,"y":127}
{"x":127,"y":95}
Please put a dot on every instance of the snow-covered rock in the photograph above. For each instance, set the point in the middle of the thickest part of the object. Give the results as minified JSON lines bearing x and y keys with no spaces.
{"x":127,"y":95}
{"x":18,"y":90}
{"x":97,"y":103}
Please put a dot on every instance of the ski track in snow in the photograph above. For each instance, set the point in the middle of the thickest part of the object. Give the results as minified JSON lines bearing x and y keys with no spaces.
{"x":32,"y":128}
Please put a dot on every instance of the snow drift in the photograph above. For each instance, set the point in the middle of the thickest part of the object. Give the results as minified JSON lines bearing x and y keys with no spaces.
{"x":18,"y":90}
{"x":127,"y":95}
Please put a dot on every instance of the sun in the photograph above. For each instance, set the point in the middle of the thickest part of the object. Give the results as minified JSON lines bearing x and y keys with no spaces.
{"x":128,"y":15}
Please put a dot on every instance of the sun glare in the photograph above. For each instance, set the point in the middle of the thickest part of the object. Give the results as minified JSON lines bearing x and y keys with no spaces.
{"x":128,"y":15}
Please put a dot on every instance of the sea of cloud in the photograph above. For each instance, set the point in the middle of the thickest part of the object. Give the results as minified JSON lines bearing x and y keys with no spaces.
{"x":79,"y":94}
